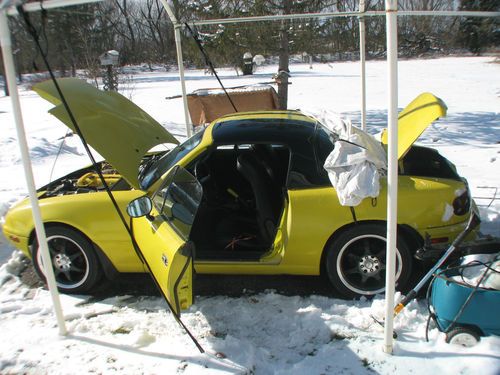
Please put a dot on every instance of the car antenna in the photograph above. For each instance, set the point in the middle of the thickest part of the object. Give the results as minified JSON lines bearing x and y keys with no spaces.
{"x":33,"y":32}
{"x":208,"y":62}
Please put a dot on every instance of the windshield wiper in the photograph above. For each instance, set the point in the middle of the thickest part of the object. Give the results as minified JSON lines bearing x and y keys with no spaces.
{"x":146,"y":164}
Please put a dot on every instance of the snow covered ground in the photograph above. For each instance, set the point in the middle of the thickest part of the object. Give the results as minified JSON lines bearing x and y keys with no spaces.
{"x":264,"y":333}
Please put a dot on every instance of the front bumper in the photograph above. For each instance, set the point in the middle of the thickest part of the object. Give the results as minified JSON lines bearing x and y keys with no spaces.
{"x":19,"y":242}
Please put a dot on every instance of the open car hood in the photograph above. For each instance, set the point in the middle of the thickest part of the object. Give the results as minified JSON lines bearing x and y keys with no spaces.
{"x":414,"y":119}
{"x":114,"y":126}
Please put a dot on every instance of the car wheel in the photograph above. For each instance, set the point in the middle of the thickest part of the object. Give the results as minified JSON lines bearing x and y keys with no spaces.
{"x":75,"y":264}
{"x":356,"y":261}
{"x":462,"y":336}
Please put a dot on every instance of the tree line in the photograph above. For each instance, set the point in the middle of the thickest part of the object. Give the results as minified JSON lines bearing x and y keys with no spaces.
{"x":74,"y":37}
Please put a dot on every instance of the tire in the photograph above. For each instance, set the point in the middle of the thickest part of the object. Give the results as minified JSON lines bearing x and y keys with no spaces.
{"x":463,"y":336}
{"x":75,"y":263}
{"x":355,"y":261}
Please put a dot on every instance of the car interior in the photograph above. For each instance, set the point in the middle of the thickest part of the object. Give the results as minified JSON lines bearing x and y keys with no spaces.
{"x":243,"y":199}
{"x":426,"y":162}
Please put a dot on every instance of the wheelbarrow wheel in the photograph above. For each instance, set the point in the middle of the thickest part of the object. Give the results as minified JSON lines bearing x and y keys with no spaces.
{"x":462,"y":336}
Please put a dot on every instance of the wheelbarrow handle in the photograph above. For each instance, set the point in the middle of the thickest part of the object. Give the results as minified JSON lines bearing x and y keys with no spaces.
{"x":473,"y":222}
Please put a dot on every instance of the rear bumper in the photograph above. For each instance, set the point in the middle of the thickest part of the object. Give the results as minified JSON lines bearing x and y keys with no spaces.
{"x":438,"y":239}
{"x":478,"y":246}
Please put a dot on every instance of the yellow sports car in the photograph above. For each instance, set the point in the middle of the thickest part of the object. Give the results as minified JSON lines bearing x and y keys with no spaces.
{"x":246,"y":195}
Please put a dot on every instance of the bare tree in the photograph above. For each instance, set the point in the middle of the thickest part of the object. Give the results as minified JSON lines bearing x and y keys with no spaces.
{"x":157,"y":30}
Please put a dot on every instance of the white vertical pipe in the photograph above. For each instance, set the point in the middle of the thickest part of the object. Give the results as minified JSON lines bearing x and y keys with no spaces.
{"x":180,"y":64}
{"x":10,"y":75}
{"x":392,"y":178}
{"x":362,"y":58}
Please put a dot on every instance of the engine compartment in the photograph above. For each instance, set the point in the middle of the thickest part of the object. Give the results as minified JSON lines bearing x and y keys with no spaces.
{"x":84,"y":181}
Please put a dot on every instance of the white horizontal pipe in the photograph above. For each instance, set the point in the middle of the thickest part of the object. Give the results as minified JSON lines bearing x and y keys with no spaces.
{"x":274,"y":18}
{"x":448,"y":13}
{"x":373,"y":13}
{"x":50,"y":4}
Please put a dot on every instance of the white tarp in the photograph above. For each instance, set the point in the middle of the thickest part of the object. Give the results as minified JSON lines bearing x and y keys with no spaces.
{"x":356,"y":162}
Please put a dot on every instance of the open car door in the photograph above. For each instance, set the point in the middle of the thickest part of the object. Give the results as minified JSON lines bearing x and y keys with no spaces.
{"x":162,"y":231}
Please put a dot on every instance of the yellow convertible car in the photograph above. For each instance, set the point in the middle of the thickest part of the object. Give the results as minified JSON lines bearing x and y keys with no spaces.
{"x":246,"y":195}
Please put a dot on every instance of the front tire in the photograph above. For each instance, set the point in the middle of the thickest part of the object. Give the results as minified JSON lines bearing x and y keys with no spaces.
{"x":75,"y":264}
{"x":463,"y":336}
{"x":356,"y":260}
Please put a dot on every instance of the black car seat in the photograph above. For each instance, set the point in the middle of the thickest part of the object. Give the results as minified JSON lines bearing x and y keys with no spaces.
{"x":267,"y":195}
{"x":268,"y":158}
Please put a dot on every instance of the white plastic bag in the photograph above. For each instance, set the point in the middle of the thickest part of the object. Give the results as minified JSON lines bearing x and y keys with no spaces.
{"x":355,"y":166}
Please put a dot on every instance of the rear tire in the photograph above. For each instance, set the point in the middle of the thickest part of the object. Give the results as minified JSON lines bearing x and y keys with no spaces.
{"x":74,"y":261}
{"x":356,"y":259}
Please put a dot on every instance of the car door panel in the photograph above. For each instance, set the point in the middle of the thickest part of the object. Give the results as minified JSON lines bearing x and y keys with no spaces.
{"x":163,"y":237}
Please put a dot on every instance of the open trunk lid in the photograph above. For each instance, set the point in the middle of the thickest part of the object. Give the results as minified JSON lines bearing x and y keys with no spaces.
{"x":414,"y":119}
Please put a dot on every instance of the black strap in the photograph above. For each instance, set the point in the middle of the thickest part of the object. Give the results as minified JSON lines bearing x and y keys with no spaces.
{"x":209,"y":63}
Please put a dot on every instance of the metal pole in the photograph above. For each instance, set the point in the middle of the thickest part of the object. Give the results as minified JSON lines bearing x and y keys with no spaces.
{"x":327,"y":15}
{"x":50,"y":4}
{"x":180,"y":64}
{"x":362,"y":59}
{"x":392,"y":172}
{"x":10,"y":74}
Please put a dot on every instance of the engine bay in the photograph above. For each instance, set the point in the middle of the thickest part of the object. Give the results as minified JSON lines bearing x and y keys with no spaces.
{"x":85,"y":180}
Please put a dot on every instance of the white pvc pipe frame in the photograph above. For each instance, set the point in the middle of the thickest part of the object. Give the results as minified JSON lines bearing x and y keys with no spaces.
{"x":391,"y":14}
{"x":10,"y":78}
{"x":392,"y":169}
{"x":362,"y":32}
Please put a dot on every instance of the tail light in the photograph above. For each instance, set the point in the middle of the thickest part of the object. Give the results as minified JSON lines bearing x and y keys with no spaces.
{"x":461,"y":204}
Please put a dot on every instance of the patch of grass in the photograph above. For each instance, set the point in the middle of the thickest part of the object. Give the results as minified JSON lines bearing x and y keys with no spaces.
{"x":121,"y":331}
{"x":366,"y":363}
{"x":339,"y":336}
{"x":220,"y":335}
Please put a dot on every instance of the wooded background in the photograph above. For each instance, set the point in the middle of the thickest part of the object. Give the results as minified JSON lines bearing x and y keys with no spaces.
{"x":74,"y":37}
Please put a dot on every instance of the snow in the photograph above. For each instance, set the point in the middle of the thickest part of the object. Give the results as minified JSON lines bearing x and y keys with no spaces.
{"x":479,"y":269}
{"x":267,"y":332}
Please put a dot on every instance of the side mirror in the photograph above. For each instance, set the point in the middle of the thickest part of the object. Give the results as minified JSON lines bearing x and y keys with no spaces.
{"x":140,"y":207}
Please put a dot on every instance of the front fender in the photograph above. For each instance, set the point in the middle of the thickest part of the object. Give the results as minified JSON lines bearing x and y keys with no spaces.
{"x":93,"y":214}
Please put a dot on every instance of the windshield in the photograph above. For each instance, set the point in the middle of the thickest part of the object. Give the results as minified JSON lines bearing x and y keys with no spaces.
{"x":152,"y":169}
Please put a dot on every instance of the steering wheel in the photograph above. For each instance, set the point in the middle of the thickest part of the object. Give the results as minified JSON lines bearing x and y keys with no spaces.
{"x":202,"y":172}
